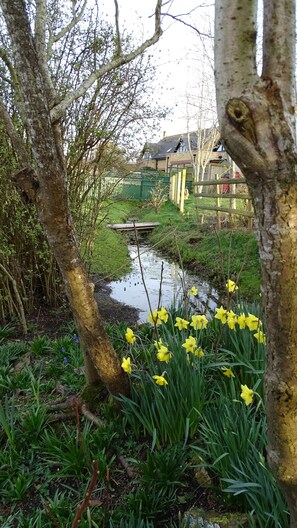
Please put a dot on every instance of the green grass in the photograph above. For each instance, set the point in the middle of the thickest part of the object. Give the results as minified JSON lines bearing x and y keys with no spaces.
{"x":109,"y":243}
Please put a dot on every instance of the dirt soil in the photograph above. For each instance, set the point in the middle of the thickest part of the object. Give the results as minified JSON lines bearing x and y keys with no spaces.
{"x":50,"y":322}
{"x":113,"y":311}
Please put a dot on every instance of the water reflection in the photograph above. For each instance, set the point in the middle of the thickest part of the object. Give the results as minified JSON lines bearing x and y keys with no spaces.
{"x":130,"y":288}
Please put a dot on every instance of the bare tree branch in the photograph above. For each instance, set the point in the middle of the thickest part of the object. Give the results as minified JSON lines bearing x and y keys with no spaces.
{"x":118,"y":35}
{"x":60,"y":108}
{"x":177,"y":19}
{"x":16,"y":140}
{"x":41,"y":48}
{"x":71,"y":24}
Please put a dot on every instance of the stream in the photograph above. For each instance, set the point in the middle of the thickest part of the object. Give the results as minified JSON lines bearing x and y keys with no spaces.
{"x":130,"y":289}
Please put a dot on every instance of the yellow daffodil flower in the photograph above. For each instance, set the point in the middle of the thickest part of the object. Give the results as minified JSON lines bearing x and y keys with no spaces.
{"x":193,"y":291}
{"x":126,"y":365}
{"x":231,"y":286}
{"x":198,"y":352}
{"x":260,"y":336}
{"x":231,"y":319}
{"x":163,"y":314}
{"x":199,"y":322}
{"x":164,"y":354}
{"x":252,"y":322}
{"x":160,"y":380}
{"x":221,"y":315}
{"x":241,"y":321}
{"x":181,"y":323}
{"x":247,"y":394}
{"x":228,"y":372}
{"x":190,"y":344}
{"x":130,"y":337}
{"x":158,"y":344}
{"x":154,"y":318}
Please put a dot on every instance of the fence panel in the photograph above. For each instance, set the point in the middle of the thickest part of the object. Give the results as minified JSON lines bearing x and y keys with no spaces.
{"x":137,"y":185}
{"x":222,"y":192}
{"x":177,"y":192}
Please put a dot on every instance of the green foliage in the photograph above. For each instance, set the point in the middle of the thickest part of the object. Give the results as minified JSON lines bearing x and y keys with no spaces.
{"x":169,"y":414}
{"x":131,"y":522}
{"x":25,"y":257}
{"x":250,"y":476}
{"x":7,"y":421}
{"x":165,"y":434}
{"x":165,"y":467}
{"x":12,"y":351}
{"x":40,"y":346}
{"x":6,"y":332}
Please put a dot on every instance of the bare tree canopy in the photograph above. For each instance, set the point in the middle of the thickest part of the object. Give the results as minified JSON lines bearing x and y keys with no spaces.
{"x":30,"y":37}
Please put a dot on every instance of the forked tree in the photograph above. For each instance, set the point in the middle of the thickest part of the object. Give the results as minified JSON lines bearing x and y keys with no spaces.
{"x":42,"y":170}
{"x":257,"y":121}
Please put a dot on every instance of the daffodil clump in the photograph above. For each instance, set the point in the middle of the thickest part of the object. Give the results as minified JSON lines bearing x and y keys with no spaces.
{"x":186,"y":334}
{"x":241,"y":321}
{"x":197,"y":381}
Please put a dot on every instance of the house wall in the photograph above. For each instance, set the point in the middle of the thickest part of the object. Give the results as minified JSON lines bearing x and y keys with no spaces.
{"x":159,"y":165}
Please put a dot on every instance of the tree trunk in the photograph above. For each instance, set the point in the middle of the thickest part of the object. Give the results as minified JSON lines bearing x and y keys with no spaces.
{"x":101,"y":361}
{"x":256,"y":115}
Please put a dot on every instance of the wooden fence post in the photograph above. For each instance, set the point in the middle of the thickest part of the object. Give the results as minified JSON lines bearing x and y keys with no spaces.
{"x":182,"y":190}
{"x":250,"y":218}
{"x":178,"y":189}
{"x":218,"y":202}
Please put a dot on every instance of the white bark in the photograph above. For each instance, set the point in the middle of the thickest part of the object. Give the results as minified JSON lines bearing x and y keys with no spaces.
{"x":256,"y":115}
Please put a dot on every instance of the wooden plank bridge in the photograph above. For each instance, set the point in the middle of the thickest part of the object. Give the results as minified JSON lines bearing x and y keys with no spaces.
{"x":138,"y":226}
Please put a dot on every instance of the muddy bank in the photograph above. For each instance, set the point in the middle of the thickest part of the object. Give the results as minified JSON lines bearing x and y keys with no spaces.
{"x":111,"y":310}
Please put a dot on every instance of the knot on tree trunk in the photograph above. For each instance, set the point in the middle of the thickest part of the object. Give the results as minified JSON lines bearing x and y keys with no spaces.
{"x":241,"y":117}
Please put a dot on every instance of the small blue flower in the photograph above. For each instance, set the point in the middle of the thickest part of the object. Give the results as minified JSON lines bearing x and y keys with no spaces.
{"x":63,"y":350}
{"x":75,"y":339}
{"x":65,"y":360}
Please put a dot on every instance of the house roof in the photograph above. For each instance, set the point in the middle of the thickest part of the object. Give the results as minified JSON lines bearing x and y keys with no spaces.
{"x":170,"y":144}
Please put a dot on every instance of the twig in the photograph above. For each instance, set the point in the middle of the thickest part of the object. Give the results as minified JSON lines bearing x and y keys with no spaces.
{"x":187,"y":24}
{"x":143,"y":280}
{"x":20,"y":310}
{"x":182,"y":277}
{"x":160,"y":288}
{"x":221,"y":256}
{"x":85,"y":503}
{"x":126,"y":466}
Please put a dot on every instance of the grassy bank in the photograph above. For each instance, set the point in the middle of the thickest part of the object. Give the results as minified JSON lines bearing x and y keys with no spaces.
{"x":110,"y":256}
{"x":229,"y":253}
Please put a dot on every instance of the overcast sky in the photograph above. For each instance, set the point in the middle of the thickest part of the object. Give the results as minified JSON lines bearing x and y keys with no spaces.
{"x":178,"y":55}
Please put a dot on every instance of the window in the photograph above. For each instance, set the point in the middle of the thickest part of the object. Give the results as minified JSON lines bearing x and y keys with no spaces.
{"x":147,"y":155}
{"x":182,"y":147}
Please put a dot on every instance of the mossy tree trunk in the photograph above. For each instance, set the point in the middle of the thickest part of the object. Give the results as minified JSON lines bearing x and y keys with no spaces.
{"x":257,"y":122}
